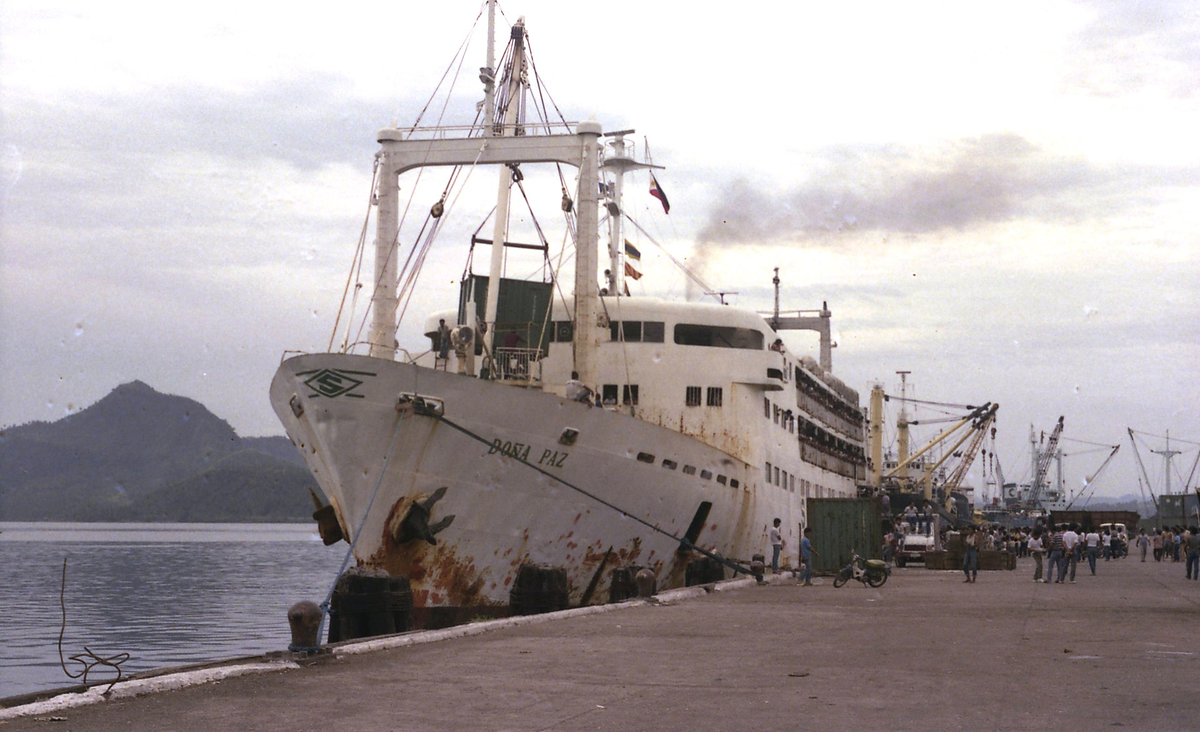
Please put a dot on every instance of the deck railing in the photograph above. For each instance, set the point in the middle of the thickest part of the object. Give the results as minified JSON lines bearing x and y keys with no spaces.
{"x":519,"y":364}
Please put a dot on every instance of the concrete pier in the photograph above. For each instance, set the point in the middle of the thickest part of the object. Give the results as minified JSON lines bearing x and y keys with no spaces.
{"x":924,"y":652}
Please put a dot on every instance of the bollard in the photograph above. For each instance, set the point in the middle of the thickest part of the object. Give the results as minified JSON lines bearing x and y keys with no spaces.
{"x":305,"y":619}
{"x":645,"y":583}
{"x":758,"y":567}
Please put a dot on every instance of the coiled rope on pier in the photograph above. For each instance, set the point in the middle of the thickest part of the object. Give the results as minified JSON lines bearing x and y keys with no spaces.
{"x":88,"y":659}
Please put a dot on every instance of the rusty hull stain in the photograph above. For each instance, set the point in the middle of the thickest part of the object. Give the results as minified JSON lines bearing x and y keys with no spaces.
{"x":439,"y":575}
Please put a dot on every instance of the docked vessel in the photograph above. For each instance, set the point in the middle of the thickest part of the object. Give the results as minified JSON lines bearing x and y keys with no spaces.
{"x":583,"y":432}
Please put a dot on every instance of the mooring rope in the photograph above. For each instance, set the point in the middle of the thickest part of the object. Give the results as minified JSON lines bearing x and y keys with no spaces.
{"x":88,"y":659}
{"x":683,"y":541}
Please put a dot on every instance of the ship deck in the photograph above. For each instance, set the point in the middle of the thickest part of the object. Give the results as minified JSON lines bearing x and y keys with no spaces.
{"x":925,"y":651}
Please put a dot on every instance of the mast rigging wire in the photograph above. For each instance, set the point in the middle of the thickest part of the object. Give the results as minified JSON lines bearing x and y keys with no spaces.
{"x":707,"y":288}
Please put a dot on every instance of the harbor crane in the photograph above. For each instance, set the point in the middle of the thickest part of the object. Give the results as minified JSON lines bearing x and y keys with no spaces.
{"x":1041,"y":466}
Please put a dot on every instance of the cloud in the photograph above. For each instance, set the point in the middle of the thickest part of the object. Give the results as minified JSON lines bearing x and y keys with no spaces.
{"x":910,"y":191}
{"x":1150,"y":45}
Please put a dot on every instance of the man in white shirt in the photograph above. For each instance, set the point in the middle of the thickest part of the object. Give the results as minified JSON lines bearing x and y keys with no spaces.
{"x":1035,"y":550}
{"x":1071,"y":545}
{"x":776,"y":545}
{"x":576,"y":391}
{"x":1092,"y":541}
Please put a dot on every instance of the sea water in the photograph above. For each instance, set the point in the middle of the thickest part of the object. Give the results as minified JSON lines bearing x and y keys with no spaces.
{"x":166,"y":594}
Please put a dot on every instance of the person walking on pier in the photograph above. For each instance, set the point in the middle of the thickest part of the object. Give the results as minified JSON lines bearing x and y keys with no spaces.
{"x":1035,"y":548}
{"x":1143,"y":542}
{"x":806,"y":558}
{"x":971,"y":554}
{"x":1092,"y":541}
{"x":776,"y":545}
{"x":1157,"y":544}
{"x":1056,"y":557}
{"x":1192,"y":546}
{"x":1071,"y":547}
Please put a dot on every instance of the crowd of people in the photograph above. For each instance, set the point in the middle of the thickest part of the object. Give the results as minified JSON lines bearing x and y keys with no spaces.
{"x":1057,"y":550}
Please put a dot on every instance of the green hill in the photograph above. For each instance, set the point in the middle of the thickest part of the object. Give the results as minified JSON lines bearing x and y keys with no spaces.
{"x":140,"y":455}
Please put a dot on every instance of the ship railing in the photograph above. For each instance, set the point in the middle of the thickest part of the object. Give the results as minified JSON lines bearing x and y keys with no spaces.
{"x":519,"y":364}
{"x":442,"y":132}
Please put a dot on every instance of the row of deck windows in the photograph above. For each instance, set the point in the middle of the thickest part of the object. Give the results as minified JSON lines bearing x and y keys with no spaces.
{"x":654,"y":331}
{"x":787,"y":481}
{"x":669,"y":464}
{"x":782,"y":417}
{"x":629,"y":393}
{"x":782,"y":478}
{"x":714,"y":396}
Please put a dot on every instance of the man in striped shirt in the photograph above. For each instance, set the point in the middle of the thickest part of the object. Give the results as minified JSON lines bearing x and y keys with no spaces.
{"x":1057,"y":557}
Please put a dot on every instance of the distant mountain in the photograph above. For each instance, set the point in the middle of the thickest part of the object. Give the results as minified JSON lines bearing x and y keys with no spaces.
{"x":138,"y":454}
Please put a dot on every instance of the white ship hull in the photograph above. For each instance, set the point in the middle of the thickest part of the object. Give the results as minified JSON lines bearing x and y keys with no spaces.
{"x":373,"y":461}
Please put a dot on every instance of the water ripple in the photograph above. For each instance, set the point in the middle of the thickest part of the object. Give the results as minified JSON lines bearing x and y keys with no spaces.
{"x":168,"y":594}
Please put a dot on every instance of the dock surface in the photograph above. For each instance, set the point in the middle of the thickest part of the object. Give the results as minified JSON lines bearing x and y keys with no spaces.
{"x":924,"y":652}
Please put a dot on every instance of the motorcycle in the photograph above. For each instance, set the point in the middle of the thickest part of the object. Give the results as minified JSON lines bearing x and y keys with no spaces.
{"x":873,"y":572}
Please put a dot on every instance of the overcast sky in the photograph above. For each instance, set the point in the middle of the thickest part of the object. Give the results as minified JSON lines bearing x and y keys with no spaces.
{"x":1002,"y":198}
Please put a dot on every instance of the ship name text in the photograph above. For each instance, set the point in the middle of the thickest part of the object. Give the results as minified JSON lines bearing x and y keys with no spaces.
{"x":521,"y":451}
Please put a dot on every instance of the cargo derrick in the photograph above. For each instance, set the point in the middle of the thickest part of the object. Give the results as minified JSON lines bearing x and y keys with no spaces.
{"x":939,"y":479}
{"x":1033,"y":501}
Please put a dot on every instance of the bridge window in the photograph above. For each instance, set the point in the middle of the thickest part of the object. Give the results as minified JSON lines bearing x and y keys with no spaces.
{"x":713,"y":336}
{"x":693,"y":396}
{"x":636,"y":331}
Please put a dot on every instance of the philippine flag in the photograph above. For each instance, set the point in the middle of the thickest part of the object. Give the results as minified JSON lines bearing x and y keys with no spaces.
{"x":657,"y":191}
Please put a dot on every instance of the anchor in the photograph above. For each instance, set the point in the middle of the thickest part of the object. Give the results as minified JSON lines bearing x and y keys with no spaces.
{"x":415,"y":524}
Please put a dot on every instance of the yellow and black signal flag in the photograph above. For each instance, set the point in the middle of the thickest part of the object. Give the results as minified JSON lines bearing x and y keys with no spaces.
{"x":631,"y":252}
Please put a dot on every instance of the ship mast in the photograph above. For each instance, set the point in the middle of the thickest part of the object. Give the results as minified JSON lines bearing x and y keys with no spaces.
{"x":506,"y":128}
{"x":618,"y":159}
{"x":402,"y":150}
{"x":902,"y":431}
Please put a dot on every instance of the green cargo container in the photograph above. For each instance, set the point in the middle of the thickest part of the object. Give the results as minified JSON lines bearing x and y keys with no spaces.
{"x":842,"y":524}
{"x":524,"y":309}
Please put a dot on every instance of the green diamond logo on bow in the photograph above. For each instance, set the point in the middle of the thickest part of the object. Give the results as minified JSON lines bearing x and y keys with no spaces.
{"x":333,"y":383}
